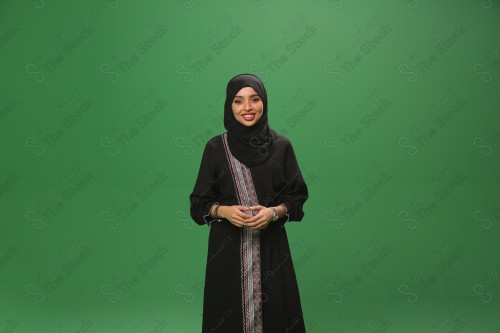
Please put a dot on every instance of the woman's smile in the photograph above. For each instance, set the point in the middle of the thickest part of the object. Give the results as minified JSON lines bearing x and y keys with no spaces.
{"x":249,"y":116}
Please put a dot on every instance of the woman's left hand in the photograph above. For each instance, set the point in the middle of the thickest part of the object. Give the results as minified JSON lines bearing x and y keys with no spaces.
{"x":261,"y":219}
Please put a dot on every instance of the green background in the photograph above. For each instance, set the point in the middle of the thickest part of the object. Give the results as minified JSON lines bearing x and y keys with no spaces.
{"x":392,"y":108}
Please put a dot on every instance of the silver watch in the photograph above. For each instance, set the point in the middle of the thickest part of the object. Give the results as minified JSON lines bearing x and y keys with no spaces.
{"x":275,"y":214}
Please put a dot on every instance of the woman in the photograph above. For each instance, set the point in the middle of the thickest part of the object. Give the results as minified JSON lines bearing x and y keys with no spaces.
{"x":249,"y":185}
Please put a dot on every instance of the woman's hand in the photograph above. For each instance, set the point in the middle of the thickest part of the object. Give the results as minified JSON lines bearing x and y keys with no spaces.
{"x":235,"y":215}
{"x":261,"y":219}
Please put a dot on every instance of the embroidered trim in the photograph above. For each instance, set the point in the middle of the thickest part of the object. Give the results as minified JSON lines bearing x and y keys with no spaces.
{"x":249,"y":246}
{"x":208,"y":217}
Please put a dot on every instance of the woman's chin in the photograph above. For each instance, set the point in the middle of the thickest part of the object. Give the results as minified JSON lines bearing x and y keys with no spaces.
{"x":248,"y":123}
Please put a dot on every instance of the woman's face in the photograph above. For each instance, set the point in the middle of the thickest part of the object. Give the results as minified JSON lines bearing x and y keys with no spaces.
{"x":247,"y":106}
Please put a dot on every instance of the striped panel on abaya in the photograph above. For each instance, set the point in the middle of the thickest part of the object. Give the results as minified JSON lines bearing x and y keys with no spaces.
{"x":249,"y":246}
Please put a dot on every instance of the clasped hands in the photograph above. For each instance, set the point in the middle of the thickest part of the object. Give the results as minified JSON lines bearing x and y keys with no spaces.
{"x":235,"y":215}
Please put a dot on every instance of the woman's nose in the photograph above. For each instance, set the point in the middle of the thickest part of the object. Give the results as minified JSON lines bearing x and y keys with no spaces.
{"x":247,"y":105}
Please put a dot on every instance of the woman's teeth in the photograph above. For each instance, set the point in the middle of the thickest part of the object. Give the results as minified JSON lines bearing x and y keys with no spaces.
{"x":249,"y":117}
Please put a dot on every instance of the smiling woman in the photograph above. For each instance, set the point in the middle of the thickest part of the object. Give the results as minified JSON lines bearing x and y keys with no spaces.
{"x":249,"y":185}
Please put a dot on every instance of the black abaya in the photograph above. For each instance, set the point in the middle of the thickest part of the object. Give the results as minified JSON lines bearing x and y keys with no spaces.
{"x":250,"y":282}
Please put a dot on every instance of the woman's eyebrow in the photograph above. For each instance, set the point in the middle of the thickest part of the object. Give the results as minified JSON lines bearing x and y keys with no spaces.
{"x":250,"y":95}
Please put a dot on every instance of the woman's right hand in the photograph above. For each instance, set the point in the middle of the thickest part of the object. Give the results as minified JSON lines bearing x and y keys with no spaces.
{"x":234,"y":214}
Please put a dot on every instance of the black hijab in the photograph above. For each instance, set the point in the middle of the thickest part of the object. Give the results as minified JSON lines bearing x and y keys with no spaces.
{"x":251,"y":145}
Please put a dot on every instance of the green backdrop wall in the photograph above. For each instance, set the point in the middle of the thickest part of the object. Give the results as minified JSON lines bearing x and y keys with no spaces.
{"x":393,"y":111}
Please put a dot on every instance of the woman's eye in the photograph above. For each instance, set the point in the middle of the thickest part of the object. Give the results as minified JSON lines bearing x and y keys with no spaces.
{"x":255,"y":99}
{"x":237,"y":102}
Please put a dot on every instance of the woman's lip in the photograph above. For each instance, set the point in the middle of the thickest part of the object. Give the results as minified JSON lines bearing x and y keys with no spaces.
{"x":246,"y":114}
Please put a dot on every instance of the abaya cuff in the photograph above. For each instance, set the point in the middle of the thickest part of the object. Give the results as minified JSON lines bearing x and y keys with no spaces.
{"x":207,"y":218}
{"x":283,"y":220}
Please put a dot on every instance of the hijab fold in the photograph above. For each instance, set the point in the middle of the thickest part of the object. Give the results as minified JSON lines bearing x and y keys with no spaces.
{"x":251,"y":145}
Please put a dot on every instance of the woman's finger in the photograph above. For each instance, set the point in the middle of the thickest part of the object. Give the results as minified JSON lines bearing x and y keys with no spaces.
{"x":259,"y":215}
{"x":260,"y":220}
{"x":254,"y":218}
{"x":235,"y":222}
{"x":259,"y":207}
{"x":243,"y":216}
{"x":240,"y":219}
{"x":262,"y":225}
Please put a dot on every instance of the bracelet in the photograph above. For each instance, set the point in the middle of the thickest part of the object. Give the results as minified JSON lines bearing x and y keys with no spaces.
{"x":216,"y":211}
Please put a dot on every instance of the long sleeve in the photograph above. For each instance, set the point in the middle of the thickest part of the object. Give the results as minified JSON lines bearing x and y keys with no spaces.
{"x":204,"y":194}
{"x":295,"y":192}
